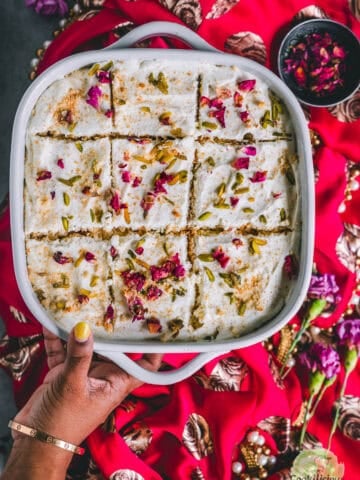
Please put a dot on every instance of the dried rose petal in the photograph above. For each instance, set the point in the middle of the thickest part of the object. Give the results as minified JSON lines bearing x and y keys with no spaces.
{"x":219,"y":115}
{"x":234,"y":201}
{"x":109,"y":113}
{"x":291,"y":266}
{"x":61,"y":259}
{"x":115,"y":203}
{"x":249,"y":150}
{"x":258,"y":177}
{"x":139,"y":250}
{"x":113,"y":252}
{"x":153,"y":293}
{"x":247,"y":85}
{"x":126,"y":176}
{"x":86,"y":190}
{"x":153,"y":325}
{"x":43,"y":175}
{"x":276,"y":195}
{"x":159,"y":273}
{"x":109,"y":314}
{"x":244,"y":116}
{"x":52,"y":194}
{"x":83,"y":299}
{"x":90,"y":257}
{"x":122,"y":165}
{"x":133,"y":280}
{"x":179,"y":271}
{"x":148,"y":201}
{"x":176,"y":259}
{"x":219,"y":255}
{"x":137,"y":181}
{"x":241,"y":162}
{"x":238,"y":98}
{"x":60,"y":163}
{"x":93,"y":96}
{"x":136,"y":308}
{"x":237,"y":242}
{"x":103,"y":76}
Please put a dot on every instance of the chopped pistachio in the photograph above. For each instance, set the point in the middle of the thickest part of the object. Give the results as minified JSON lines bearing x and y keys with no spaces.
{"x":209,"y":125}
{"x":221,"y":189}
{"x":290,"y":175}
{"x":65,"y":283}
{"x":242,"y":308}
{"x":131,"y":254}
{"x":239,"y":178}
{"x":70,"y":181}
{"x":241,"y":190}
{"x":79,"y":260}
{"x":165,"y":118}
{"x":222,"y":205}
{"x":40,"y":295}
{"x":167,"y":199}
{"x":145,"y":109}
{"x":107,"y":66}
{"x":213,"y":336}
{"x":84,"y":291}
{"x":171,"y":164}
{"x":93,"y":69}
{"x":209,"y":274}
{"x":230,"y":296}
{"x":195,"y":322}
{"x":253,"y":247}
{"x":143,"y":167}
{"x":179,"y":177}
{"x":210,"y":161}
{"x":260,"y":241}
{"x":130,"y":263}
{"x":66,"y":199}
{"x":176,"y":132}
{"x":60,"y":305}
{"x":79,"y":146}
{"x":247,"y":210}
{"x":175,"y":326}
{"x":98,"y":215}
{"x":140,"y":242}
{"x":65,"y":222}
{"x":92,"y":215}
{"x":160,"y":82}
{"x":166,"y":248}
{"x":204,"y":216}
{"x":265,"y":120}
{"x":142,"y":263}
{"x":206,"y":257}
{"x":94,"y":280}
{"x":231,"y":279}
{"x":127,"y":216}
{"x":282,"y":215}
{"x":262,"y":219}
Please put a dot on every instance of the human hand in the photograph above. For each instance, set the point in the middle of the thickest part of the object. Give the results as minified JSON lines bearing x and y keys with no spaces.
{"x":78,"y":393}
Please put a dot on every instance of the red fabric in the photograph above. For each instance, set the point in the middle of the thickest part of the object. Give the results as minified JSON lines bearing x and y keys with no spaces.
{"x":260,"y":394}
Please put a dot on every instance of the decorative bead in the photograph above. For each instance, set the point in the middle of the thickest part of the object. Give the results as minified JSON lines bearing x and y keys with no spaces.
{"x":291,"y":362}
{"x":267,"y":451}
{"x":258,"y":450}
{"x":39,"y":52}
{"x":32,"y":75}
{"x":262,"y":460}
{"x":342,"y":208}
{"x":245,"y":476}
{"x":270,"y":347}
{"x":348,"y":197}
{"x":263,"y":474}
{"x":272,"y":460}
{"x":237,"y":468}
{"x":349,"y":311}
{"x":46,"y":44}
{"x":253,"y":436}
{"x":254,"y":478}
{"x":56,"y":33}
{"x":354,"y":185}
{"x":34,"y":62}
{"x":358,"y":261}
{"x":261,"y":440}
{"x":315,"y":330}
{"x":62,"y":23}
{"x":76,"y":8}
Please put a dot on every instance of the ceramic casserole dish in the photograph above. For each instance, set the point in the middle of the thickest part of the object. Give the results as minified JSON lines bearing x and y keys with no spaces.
{"x":115,"y":348}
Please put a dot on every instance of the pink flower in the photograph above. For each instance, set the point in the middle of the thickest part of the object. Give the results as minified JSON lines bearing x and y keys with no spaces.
{"x":48,"y":7}
{"x":247,"y":85}
{"x":348,"y":332}
{"x":324,"y":286}
{"x":323,"y":358}
{"x":219,"y":255}
{"x":241,"y":162}
{"x":258,"y":177}
{"x":93,"y":96}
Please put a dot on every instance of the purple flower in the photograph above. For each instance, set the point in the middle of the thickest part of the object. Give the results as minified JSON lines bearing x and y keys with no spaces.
{"x":348,"y":332}
{"x":48,"y":7}
{"x":324,"y":286}
{"x":322,"y":358}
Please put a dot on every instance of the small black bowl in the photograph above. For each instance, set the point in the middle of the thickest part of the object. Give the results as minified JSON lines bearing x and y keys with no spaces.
{"x":345,"y":38}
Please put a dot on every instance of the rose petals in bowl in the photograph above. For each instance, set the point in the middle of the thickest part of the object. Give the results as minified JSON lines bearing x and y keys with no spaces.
{"x":318,"y":60}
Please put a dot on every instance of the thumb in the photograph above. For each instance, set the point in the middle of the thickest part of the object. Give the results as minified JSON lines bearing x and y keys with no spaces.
{"x":79,"y":352}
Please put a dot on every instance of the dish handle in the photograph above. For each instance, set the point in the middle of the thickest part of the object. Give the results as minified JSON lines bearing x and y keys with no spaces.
{"x":160,"y":378}
{"x":162,"y":29}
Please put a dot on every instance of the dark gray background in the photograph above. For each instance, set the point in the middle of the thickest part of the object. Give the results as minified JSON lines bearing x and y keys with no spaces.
{"x":22,"y":31}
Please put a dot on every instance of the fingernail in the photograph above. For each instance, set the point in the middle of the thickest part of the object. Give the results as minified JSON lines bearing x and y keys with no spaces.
{"x":82,"y":332}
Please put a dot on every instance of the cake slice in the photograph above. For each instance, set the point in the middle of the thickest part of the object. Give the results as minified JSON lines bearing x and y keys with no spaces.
{"x":65,"y":185}
{"x":238,"y":106}
{"x":151,"y":98}
{"x":152,"y":285}
{"x":77,"y":105}
{"x":70,"y":279}
{"x":252,"y":185}
{"x":151,"y":183}
{"x":242,"y":281}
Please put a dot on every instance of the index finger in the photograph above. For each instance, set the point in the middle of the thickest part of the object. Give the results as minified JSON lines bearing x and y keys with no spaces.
{"x":54,"y":349}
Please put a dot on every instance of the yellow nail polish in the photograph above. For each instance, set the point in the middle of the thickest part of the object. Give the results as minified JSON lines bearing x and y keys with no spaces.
{"x":82,"y":332}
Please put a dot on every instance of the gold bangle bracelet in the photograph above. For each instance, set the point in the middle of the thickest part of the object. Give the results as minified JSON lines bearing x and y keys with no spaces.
{"x":45,"y":438}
